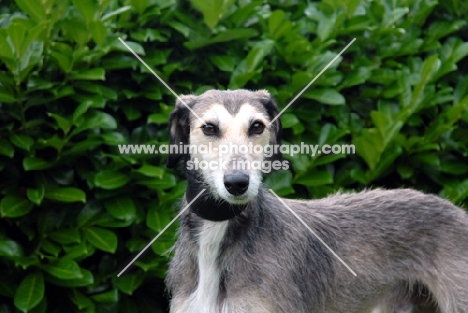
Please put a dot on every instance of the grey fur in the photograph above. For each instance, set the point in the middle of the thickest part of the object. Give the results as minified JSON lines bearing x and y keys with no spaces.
{"x":400,"y":243}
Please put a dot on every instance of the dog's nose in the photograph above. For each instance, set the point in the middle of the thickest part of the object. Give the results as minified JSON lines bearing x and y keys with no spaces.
{"x":236,"y":182}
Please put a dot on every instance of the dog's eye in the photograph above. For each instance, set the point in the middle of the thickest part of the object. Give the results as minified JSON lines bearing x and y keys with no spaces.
{"x":210,"y":129}
{"x":257,"y":128}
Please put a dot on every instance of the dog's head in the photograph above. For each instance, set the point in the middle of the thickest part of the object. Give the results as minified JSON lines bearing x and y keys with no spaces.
{"x":229,"y":141}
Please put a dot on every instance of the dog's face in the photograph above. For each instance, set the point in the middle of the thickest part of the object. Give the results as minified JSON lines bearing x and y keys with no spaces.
{"x":227,"y":144}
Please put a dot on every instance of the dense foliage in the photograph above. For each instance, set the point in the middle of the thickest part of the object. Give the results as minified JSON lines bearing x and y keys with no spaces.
{"x":74,"y":210}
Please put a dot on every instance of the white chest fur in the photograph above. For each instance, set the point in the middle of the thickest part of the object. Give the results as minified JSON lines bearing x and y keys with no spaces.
{"x":204,"y":299}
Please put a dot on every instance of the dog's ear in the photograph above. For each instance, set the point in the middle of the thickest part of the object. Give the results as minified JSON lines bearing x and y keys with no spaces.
{"x":272,"y":110}
{"x":179,"y":127}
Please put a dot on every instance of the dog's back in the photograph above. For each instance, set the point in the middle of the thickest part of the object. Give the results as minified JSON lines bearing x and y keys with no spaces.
{"x":397,"y":240}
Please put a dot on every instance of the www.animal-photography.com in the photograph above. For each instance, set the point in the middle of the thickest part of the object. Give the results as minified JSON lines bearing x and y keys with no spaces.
{"x":233,"y":156}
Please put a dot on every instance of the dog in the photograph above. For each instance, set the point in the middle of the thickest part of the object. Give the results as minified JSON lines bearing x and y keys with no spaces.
{"x":239,"y":249}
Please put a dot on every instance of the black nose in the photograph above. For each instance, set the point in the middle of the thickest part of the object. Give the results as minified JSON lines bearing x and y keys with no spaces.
{"x":236,"y":182}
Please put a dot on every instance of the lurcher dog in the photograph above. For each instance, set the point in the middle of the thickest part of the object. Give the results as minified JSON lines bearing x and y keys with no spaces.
{"x":239,"y":250}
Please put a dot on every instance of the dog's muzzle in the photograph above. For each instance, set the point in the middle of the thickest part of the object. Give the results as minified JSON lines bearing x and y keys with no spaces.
{"x":209,"y":208}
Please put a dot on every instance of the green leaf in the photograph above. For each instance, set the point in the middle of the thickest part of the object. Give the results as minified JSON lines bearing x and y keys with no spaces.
{"x":33,"y":8}
{"x":254,"y":58}
{"x":440,"y":28}
{"x":79,"y":148}
{"x":121,"y":208}
{"x":457,"y":192}
{"x":133,"y":45}
{"x":212,"y":11}
{"x":326,"y":25}
{"x":102,"y":239}
{"x":75,"y":30}
{"x":95,"y":119}
{"x":36,"y":195}
{"x":30,"y":292}
{"x":79,"y":250}
{"x":275,"y":21}
{"x":50,"y":248}
{"x":62,"y":54}
{"x":326,"y":159}
{"x":6,"y":148}
{"x":330,"y":134}
{"x":224,"y":63}
{"x":453,"y":167}
{"x":111,"y":296}
{"x":235,"y":34}
{"x":88,"y":214}
{"x":66,"y":236}
{"x":226,"y":36}
{"x":168,"y":180}
{"x":315,"y":178}
{"x":158,"y":118}
{"x":381,"y":121}
{"x":430,"y":67}
{"x":289,"y":120}
{"x":86,"y":8}
{"x":369,"y":146}
{"x":140,"y":5}
{"x":26,"y":261}
{"x":132,"y":113}
{"x":86,"y":280}
{"x":81,"y":301}
{"x":116,"y":12}
{"x":109,"y":179}
{"x":14,"y":206}
{"x":96,"y":73}
{"x":63,"y":123}
{"x":82,"y":109}
{"x":98,"y":31}
{"x":22,"y":141}
{"x":151,"y":171}
{"x":357,"y":77}
{"x":10,"y":248}
{"x":393,"y":16}
{"x":157,"y":218}
{"x":66,"y":194}
{"x":280,"y":182}
{"x":128,"y":283}
{"x":327,"y":96}
{"x":161,"y":246}
{"x":7,"y":96}
{"x":30,"y":164}
{"x":114,"y":138}
{"x":428,"y":158}
{"x":65,"y":268}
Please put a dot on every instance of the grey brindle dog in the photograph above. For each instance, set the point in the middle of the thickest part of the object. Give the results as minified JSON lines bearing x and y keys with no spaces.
{"x":239,"y":250}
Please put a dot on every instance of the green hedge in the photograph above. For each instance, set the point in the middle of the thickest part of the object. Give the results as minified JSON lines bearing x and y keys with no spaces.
{"x":73,"y":210}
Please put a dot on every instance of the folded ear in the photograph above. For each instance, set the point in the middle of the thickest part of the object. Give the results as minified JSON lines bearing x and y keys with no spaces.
{"x":179,"y":128}
{"x":275,"y":128}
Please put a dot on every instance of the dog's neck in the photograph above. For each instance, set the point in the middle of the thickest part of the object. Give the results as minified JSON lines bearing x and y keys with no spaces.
{"x":208,"y":208}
